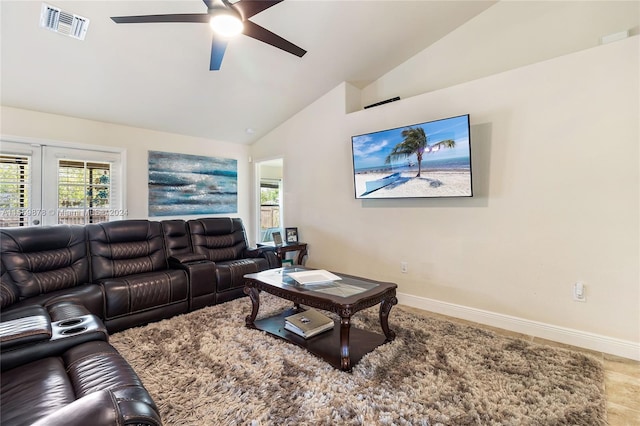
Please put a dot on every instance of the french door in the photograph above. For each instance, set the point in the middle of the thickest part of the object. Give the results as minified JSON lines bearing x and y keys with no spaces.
{"x":49,"y":185}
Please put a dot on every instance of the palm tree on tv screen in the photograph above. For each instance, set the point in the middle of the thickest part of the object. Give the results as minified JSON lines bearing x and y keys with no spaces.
{"x":416,"y":142}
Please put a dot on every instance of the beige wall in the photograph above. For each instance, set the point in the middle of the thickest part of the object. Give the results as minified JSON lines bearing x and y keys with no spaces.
{"x":555,"y":169}
{"x":508,"y":35}
{"x":49,"y":128}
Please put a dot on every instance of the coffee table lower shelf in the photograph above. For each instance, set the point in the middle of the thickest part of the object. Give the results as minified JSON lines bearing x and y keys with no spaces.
{"x":325,"y":345}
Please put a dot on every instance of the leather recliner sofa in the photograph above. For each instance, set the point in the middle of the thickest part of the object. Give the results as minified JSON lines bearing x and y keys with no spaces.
{"x":57,"y":365}
{"x":224,"y":242}
{"x":129,"y":272}
{"x":129,"y":262}
{"x":63,"y":288}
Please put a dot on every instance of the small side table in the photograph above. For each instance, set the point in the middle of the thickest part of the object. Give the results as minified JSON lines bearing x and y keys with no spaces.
{"x":282,"y":249}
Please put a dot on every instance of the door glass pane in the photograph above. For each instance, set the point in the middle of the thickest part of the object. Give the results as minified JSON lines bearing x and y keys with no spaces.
{"x":15,"y":190}
{"x":83,"y":191}
{"x":269,"y":208}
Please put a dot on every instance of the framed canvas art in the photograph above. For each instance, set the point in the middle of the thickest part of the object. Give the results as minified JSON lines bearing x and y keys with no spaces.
{"x":182,"y":184}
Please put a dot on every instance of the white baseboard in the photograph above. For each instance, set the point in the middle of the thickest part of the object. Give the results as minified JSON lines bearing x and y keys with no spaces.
{"x":582,"y":339}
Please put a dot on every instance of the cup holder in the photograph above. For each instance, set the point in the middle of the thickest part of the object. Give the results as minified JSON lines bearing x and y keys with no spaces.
{"x":74,"y":330}
{"x":78,"y":326}
{"x":70,"y":322}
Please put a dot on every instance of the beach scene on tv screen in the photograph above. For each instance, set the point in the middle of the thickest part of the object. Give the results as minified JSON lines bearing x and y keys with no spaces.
{"x":430,"y":159}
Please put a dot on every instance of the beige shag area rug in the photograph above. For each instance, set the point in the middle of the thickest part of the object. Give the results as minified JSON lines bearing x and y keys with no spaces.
{"x":206,"y":368}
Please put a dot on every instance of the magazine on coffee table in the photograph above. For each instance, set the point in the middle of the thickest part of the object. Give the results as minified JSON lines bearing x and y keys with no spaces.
{"x":315,"y":276}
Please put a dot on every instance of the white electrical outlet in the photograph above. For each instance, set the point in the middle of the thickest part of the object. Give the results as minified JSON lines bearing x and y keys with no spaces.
{"x":404,"y":267}
{"x":579,"y":292}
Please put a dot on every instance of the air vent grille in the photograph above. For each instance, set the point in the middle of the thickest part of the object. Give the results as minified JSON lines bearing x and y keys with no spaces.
{"x":65,"y":23}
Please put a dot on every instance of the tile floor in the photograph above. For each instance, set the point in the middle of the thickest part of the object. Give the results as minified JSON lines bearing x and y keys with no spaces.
{"x":621,"y":380}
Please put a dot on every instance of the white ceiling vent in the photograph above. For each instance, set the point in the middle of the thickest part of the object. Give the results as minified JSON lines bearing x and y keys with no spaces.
{"x":62,"y":22}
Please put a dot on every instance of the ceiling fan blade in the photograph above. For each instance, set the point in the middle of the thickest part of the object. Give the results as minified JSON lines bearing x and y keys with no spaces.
{"x":259,"y":33}
{"x":217,"y":53}
{"x":248,"y":8}
{"x":183,"y":17}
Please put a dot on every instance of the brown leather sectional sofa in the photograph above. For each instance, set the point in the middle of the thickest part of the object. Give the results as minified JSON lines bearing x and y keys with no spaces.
{"x":64,"y":289}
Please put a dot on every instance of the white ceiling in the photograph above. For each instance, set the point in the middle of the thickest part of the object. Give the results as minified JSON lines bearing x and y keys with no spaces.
{"x":157,"y":76}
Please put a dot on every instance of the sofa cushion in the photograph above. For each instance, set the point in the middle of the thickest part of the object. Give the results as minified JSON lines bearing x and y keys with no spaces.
{"x":40,"y":260}
{"x":97,"y":366}
{"x":140,"y":292}
{"x":220,"y":238}
{"x":125,"y":247}
{"x":35,"y":391}
{"x":176,"y":237}
{"x":64,"y":310}
{"x":87,"y":295}
{"x":8,"y":291}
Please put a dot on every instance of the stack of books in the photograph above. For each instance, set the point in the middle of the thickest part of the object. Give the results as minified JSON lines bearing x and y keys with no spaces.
{"x":308,"y":323}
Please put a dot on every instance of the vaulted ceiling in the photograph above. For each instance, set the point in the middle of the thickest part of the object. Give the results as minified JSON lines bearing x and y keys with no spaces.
{"x":157,"y":75}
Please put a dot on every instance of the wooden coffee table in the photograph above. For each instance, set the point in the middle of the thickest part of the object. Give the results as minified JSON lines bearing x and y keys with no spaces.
{"x":344,"y":345}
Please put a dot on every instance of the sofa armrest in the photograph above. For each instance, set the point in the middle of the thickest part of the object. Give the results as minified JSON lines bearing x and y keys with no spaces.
{"x":268,"y":252}
{"x":258,"y":251}
{"x":25,"y":330}
{"x":64,"y":334}
{"x":179,"y":259}
{"x":202,"y":281}
{"x":102,"y":408}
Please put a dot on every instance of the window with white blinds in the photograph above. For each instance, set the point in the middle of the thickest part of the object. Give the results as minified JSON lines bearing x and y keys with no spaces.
{"x":84,"y":192}
{"x":15,"y":189}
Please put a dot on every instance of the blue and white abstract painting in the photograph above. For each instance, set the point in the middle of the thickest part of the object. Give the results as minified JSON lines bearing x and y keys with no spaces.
{"x":181,"y":184}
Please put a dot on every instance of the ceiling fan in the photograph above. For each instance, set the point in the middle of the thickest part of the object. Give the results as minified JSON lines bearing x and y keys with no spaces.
{"x":219,"y":14}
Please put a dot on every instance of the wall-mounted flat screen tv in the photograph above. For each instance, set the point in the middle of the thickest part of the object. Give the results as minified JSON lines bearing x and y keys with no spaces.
{"x":424,"y":160}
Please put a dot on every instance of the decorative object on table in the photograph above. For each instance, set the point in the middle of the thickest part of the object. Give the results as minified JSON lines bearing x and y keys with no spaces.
{"x":308,"y":323}
{"x":170,"y":173}
{"x":314,"y":276}
{"x":292,"y":235}
{"x":287,"y":262}
{"x":277,"y":238}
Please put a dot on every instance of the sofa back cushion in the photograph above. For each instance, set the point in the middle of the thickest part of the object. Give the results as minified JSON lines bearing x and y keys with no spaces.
{"x":220,"y":238}
{"x":125,"y":247}
{"x":176,"y":237}
{"x":8,"y":290}
{"x":40,"y":260}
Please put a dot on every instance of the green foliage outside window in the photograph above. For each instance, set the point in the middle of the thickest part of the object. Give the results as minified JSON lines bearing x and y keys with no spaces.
{"x":269,"y":196}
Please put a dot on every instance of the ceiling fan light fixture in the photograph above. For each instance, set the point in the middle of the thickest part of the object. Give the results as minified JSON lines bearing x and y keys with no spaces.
{"x":226,"y":23}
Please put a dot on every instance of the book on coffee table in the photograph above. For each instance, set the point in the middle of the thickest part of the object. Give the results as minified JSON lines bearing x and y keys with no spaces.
{"x":313,"y":276}
{"x":308,"y":323}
